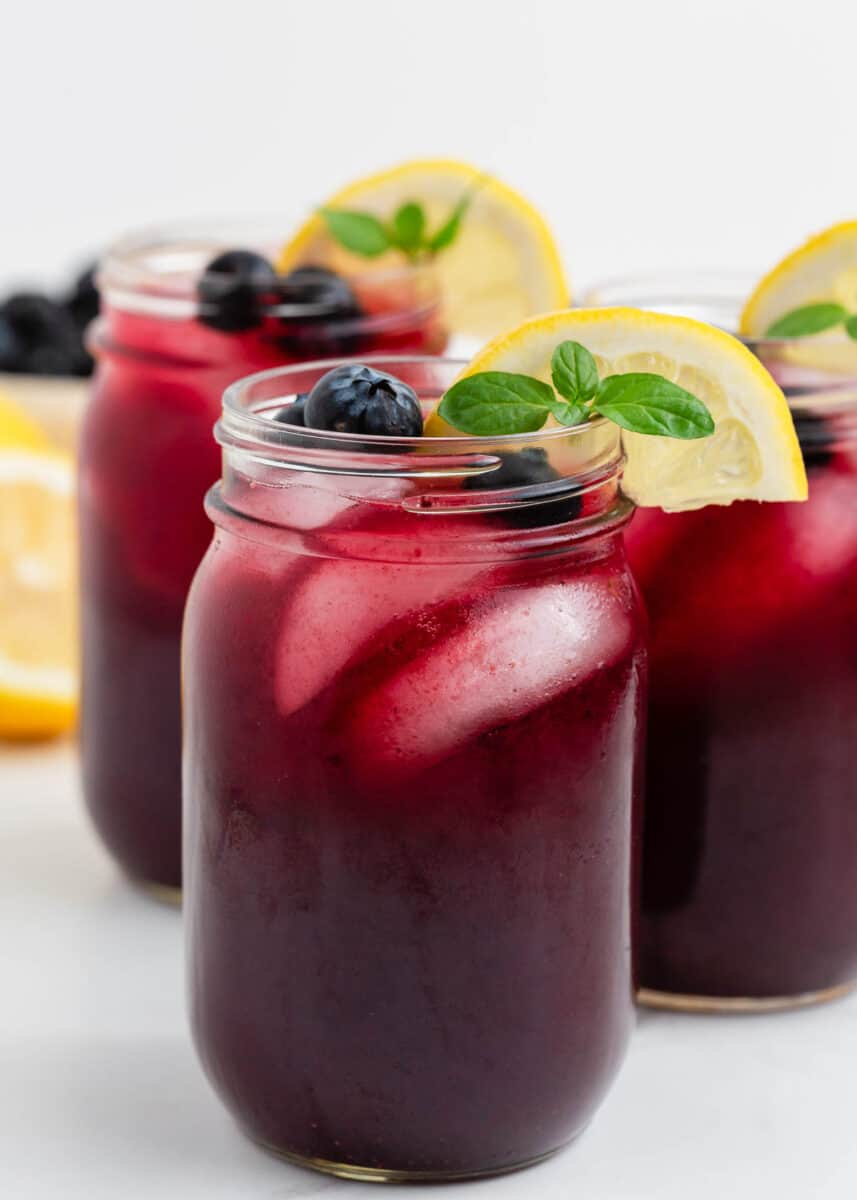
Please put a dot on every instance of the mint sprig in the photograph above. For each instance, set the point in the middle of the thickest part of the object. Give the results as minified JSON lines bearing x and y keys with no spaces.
{"x":494,"y":403}
{"x":809,"y":319}
{"x":360,"y":232}
{"x":644,"y":403}
{"x":449,"y":230}
{"x":574,"y":373}
{"x":409,"y":224}
{"x":497,"y":402}
{"x":365,"y":234}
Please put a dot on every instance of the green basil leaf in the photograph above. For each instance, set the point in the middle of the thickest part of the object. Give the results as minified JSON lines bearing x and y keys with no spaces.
{"x":494,"y":403}
{"x":359,"y":232}
{"x":644,"y":403}
{"x":449,"y":230}
{"x":851,"y":327}
{"x":574,"y":372}
{"x":811,"y":318}
{"x":409,"y":223}
{"x":569,"y":413}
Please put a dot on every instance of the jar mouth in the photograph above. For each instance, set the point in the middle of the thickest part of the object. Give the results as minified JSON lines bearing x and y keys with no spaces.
{"x":155,"y":271}
{"x":713,"y":296}
{"x":817,"y":372}
{"x":438,"y":474}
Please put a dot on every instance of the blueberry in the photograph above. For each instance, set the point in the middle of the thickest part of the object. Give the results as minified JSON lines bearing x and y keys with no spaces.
{"x":36,"y":319}
{"x":47,"y":339}
{"x":331,"y":329}
{"x":816,"y":438}
{"x":319,"y":286}
{"x":520,"y":468}
{"x":526,"y":468}
{"x":83,"y":300}
{"x":51,"y":360}
{"x":231,"y":290}
{"x":292,"y":414}
{"x":357,"y":399}
{"x":10,"y":346}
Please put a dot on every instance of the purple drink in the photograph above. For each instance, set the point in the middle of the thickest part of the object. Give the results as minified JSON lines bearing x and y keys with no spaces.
{"x":147,"y":458}
{"x":412,"y":724}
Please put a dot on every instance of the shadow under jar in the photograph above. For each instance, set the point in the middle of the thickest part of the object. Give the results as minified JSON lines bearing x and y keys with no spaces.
{"x":147,"y":459}
{"x":413,"y":712}
{"x":749,"y":896}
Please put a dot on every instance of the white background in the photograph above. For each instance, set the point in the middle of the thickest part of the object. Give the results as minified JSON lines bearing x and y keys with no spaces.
{"x":658,"y":131}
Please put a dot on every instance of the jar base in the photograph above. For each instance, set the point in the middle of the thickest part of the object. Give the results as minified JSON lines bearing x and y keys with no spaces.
{"x":344,"y":1170}
{"x":162,"y":892}
{"x":677,"y":1002}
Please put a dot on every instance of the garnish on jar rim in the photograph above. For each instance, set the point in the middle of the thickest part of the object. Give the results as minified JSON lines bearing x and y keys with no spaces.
{"x":811,"y":290}
{"x":367,"y":235}
{"x":495,"y":403}
{"x":813,"y":318}
{"x":498,"y":263}
{"x":752,"y":453}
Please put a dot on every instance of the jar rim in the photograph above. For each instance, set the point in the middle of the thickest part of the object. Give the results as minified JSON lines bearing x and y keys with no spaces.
{"x":155,"y":269}
{"x":817,"y":372}
{"x":237,"y":417}
{"x":697,"y":292}
{"x":433,"y":475}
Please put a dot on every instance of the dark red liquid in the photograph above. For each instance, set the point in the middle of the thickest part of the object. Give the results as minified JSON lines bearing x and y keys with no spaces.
{"x":409,"y":843}
{"x":750,"y":847}
{"x":147,"y":458}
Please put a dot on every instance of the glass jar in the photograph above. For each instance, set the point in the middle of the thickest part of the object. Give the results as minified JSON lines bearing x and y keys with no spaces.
{"x":412,"y":713}
{"x":147,"y":458}
{"x":750,"y":843}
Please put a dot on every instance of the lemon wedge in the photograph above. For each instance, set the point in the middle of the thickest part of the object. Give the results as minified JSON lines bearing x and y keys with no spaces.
{"x":17,"y":428}
{"x":38,"y":625}
{"x":753,"y":453}
{"x":823,"y":269}
{"x":503,"y":266}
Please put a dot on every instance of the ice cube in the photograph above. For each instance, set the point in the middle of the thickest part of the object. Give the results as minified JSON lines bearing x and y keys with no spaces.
{"x":303,"y":506}
{"x":314,"y":501}
{"x":525,"y":648}
{"x":341,"y":605}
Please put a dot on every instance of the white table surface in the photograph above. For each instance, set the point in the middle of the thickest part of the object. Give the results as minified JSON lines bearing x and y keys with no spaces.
{"x":101,"y":1097}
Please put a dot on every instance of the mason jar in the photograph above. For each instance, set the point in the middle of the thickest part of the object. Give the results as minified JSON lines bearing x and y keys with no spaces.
{"x":147,"y":457}
{"x":413,"y":689}
{"x":749,"y":896}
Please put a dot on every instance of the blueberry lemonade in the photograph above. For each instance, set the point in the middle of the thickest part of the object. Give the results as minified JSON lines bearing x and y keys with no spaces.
{"x":414,"y":683}
{"x":750,"y":877}
{"x":381,"y":269}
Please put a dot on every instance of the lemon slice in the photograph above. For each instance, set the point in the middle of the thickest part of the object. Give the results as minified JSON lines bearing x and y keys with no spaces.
{"x":753,"y":453}
{"x":48,"y":407}
{"x":822,"y":269}
{"x":38,"y":654}
{"x":16,"y":428}
{"x":503,"y":266}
